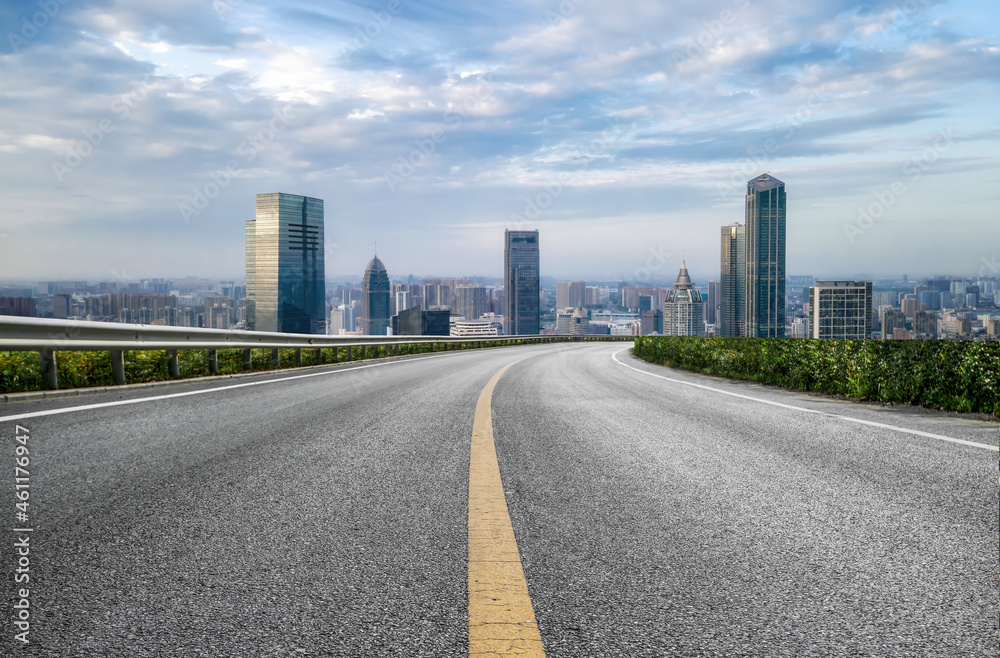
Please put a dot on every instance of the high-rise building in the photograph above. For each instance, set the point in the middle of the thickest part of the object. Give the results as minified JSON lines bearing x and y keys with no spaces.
{"x":430,"y":295}
{"x":651,"y":322}
{"x":404,"y":299}
{"x":732,"y":303}
{"x":570,"y":294}
{"x":841,"y":309}
{"x":714,"y":300}
{"x":765,"y":256}
{"x":18,"y":306}
{"x":375,"y":299}
{"x":925,"y":325}
{"x":61,"y":306}
{"x":285,"y":266}
{"x":800,"y":327}
{"x":683,"y":308}
{"x":931,"y":299}
{"x":910,"y":306}
{"x":521,"y":283}
{"x":892,"y":319}
{"x":470,"y":301}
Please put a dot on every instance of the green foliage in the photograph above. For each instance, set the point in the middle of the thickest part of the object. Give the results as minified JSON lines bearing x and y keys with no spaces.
{"x":21,"y":371}
{"x":951,"y":375}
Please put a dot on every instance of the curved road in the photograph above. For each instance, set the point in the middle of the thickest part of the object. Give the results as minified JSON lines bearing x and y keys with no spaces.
{"x":657,"y":513}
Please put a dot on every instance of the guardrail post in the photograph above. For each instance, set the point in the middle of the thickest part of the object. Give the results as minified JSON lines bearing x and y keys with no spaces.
{"x":50,"y":374}
{"x":319,"y":355}
{"x":173,"y":365}
{"x":350,"y":352}
{"x":213,"y":362}
{"x":276,"y":357}
{"x":298,"y":356}
{"x":118,"y":366}
{"x":247,"y":359}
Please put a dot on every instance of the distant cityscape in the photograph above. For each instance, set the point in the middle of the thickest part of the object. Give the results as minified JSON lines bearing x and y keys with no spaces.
{"x":285,"y":290}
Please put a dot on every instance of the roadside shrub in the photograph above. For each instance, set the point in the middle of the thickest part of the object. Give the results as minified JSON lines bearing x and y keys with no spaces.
{"x":950,"y":375}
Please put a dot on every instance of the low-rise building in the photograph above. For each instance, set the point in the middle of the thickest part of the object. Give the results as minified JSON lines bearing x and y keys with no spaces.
{"x":474,"y":328}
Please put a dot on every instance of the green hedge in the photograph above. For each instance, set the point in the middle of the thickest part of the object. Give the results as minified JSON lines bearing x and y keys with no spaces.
{"x":951,"y":375}
{"x":21,"y":371}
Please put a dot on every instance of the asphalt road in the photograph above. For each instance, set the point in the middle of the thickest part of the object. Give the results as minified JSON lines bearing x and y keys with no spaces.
{"x":326,"y":515}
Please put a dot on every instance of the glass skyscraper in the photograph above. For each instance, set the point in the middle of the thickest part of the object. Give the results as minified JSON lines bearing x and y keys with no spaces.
{"x":765,"y":258}
{"x":375,"y":291}
{"x":521,"y":283}
{"x":286,"y":271}
{"x":733,"y":281}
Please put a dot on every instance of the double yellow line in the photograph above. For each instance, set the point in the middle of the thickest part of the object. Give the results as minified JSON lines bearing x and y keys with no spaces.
{"x":501,"y":618}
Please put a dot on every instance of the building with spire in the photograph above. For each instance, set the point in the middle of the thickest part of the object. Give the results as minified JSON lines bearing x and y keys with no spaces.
{"x":375,"y":292}
{"x":683,"y":308}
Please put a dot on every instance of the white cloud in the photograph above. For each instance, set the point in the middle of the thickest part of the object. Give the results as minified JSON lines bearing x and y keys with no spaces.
{"x":239,"y":64}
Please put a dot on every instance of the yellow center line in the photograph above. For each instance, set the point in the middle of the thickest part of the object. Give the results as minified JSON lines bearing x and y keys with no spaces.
{"x":501,"y":618}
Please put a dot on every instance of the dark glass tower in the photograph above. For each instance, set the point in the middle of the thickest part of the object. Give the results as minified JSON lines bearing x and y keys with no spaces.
{"x":765,"y":258}
{"x":733,"y":281}
{"x":521,"y":283}
{"x":286,"y":271}
{"x":375,"y":299}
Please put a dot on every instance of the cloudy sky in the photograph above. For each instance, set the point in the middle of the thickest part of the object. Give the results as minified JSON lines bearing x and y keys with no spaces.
{"x":134,"y":134}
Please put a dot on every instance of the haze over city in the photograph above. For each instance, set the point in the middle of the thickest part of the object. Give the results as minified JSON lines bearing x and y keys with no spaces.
{"x":429,"y":127}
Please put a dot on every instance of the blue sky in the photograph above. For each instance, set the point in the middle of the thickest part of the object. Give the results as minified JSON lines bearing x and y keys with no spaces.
{"x":135,"y":133}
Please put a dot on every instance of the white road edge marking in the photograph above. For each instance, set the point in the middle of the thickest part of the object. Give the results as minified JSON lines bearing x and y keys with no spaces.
{"x":810,"y":411}
{"x":117,"y":403}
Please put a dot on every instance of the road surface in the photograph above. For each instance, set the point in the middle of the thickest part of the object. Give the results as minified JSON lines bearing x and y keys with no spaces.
{"x":325,"y":512}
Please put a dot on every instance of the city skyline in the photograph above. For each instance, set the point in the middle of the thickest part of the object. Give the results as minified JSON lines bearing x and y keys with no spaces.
{"x":621,"y":132}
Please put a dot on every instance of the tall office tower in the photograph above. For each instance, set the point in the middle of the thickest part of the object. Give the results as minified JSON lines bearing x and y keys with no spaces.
{"x":714,"y":299}
{"x":521,"y":283}
{"x":683,"y":308}
{"x":470,"y":301}
{"x":841,"y":309}
{"x":375,"y":299}
{"x":765,"y":254}
{"x":286,"y":273}
{"x":732,"y":302}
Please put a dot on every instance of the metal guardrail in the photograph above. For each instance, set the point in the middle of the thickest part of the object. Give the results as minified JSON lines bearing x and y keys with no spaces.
{"x":47,"y":337}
